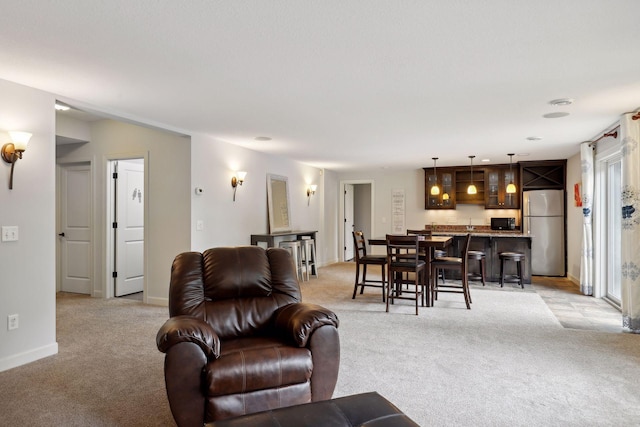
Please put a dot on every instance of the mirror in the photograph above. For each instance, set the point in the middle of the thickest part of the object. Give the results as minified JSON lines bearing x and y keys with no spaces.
{"x":278,"y":203}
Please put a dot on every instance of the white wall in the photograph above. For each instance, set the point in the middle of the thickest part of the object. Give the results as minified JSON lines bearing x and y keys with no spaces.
{"x":27,"y":282}
{"x":574,"y":220}
{"x":229,"y":223}
{"x":168,"y":197}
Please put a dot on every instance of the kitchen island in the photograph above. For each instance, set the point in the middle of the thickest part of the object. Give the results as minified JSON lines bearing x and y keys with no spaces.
{"x":491,"y":243}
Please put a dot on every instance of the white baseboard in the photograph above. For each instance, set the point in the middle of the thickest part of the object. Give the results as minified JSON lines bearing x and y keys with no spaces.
{"x":575,"y":280}
{"x":163,"y":302}
{"x":20,"y":359}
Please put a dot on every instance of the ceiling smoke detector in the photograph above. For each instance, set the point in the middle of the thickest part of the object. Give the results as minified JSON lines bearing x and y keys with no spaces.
{"x":555,"y":115}
{"x":561,"y":101}
{"x":534,"y":138}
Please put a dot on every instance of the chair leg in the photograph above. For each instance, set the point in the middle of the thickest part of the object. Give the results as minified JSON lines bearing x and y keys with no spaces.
{"x":383,"y":283}
{"x":364,"y":277}
{"x":465,"y":289}
{"x":501,"y":273}
{"x":482,"y":265}
{"x":355,"y":287}
{"x":519,"y":265}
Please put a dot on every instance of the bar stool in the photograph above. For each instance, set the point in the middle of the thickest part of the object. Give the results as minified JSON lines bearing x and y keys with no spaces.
{"x":295,"y":249}
{"x":309,"y":256}
{"x":439,"y":253}
{"x":480,"y":257}
{"x":518,"y":257}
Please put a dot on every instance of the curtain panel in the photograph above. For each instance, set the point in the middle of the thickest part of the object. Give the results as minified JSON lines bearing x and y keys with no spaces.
{"x":630,"y":251}
{"x":586,"y":262}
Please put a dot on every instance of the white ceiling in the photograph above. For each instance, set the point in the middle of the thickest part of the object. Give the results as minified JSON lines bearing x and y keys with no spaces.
{"x":341,"y":84}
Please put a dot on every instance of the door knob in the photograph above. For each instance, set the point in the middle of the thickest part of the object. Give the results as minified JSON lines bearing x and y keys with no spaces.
{"x":61,"y":234}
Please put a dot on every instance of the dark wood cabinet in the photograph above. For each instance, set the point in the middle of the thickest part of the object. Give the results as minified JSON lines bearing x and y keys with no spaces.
{"x":463,"y":179}
{"x":543,"y":175}
{"x":491,"y":183}
{"x":496,"y":180}
{"x":446,"y":180}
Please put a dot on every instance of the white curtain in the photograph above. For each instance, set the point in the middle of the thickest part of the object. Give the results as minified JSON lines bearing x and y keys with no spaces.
{"x":630,"y":136}
{"x":586,"y":264}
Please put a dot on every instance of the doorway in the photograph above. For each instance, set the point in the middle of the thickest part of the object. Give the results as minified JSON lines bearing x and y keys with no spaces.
{"x":609,"y":249}
{"x":126,"y":209}
{"x":356,"y":210}
{"x":75,"y":243}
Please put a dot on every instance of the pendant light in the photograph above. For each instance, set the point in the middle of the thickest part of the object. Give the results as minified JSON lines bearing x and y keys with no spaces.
{"x":471,"y":189}
{"x":511,"y":188}
{"x":435,"y":190}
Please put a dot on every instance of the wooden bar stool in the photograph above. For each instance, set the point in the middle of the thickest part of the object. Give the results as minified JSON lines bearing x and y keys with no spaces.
{"x":295,"y":249}
{"x":518,"y":257}
{"x":480,"y":257}
{"x":309,"y":257}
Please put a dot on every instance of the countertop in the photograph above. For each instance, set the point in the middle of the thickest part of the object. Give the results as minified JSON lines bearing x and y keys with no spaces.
{"x":480,"y":233}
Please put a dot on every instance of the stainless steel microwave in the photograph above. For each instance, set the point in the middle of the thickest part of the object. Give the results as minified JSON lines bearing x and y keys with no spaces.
{"x":503,"y":223}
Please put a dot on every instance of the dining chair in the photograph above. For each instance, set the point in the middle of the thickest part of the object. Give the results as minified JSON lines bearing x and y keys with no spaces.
{"x":403,"y":257}
{"x":425,"y":252}
{"x":363,"y":260}
{"x":452,"y":263}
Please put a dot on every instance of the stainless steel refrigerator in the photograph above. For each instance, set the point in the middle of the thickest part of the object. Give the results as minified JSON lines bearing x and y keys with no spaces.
{"x":543,"y":220}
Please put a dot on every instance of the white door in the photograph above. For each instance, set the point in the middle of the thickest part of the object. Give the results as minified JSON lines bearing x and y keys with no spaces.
{"x":129,"y":246}
{"x":76,"y":251}
{"x":348,"y":222}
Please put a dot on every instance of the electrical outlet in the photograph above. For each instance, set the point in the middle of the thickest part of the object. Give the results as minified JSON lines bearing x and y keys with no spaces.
{"x":12,"y":322}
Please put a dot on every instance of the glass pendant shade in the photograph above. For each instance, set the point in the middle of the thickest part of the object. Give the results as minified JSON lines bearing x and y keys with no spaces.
{"x":445,"y":196}
{"x":435,"y":190}
{"x":511,"y":188}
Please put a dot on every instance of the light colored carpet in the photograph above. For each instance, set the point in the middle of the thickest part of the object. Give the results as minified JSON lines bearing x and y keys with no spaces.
{"x":505,"y":362}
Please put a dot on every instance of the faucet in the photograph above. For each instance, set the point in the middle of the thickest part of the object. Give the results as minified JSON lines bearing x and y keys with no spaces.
{"x":469,"y":227}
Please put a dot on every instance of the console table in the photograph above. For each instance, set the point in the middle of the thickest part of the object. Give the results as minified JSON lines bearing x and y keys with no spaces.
{"x":272,"y":240}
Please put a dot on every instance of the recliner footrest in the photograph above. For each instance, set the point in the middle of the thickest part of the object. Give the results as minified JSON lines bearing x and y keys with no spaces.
{"x":366,"y":409}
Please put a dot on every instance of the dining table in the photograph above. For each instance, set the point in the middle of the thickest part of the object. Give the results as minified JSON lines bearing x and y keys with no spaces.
{"x":429,"y":243}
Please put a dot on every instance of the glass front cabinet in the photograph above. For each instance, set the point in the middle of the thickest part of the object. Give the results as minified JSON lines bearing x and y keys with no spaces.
{"x":496,"y":181}
{"x":444,"y":179}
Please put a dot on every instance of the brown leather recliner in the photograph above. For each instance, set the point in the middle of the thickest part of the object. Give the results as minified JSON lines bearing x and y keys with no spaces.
{"x":239,"y":340}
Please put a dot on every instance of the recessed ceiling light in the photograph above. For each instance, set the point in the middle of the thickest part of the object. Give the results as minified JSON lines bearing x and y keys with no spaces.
{"x":534,"y":138}
{"x":485,"y":160}
{"x":262,"y":138}
{"x":555,"y":115}
{"x":561,"y":101}
{"x":522,"y":154}
{"x":62,"y":107}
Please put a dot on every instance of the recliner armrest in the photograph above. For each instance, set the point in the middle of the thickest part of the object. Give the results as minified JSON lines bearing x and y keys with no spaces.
{"x":188,"y":329}
{"x":298,"y":320}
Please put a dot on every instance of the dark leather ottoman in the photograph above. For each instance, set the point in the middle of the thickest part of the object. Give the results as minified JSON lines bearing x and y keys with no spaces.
{"x":366,"y":410}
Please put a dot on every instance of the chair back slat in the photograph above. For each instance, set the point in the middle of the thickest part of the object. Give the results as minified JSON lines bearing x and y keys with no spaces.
{"x":359,"y":244}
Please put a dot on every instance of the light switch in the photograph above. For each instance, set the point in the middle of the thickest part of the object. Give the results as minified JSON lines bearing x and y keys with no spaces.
{"x":9,"y":233}
{"x":199,"y":225}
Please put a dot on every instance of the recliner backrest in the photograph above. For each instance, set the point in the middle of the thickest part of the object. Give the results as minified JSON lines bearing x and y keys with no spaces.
{"x":234,"y":289}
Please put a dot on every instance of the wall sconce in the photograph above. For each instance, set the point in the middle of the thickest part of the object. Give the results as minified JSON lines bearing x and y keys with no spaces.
{"x":237,"y":179}
{"x":311,"y":190}
{"x":12,"y":151}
